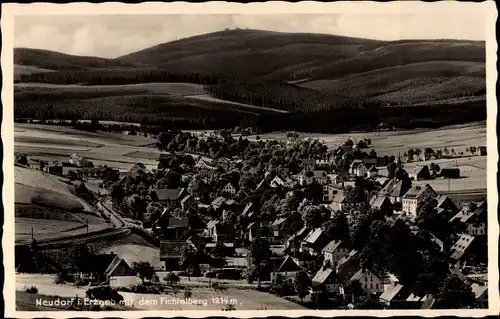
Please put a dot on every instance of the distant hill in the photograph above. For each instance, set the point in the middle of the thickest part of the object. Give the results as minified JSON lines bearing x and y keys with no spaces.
{"x":292,"y":72}
{"x":56,"y":61}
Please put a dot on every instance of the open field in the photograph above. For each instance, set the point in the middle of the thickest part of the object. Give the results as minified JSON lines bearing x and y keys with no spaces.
{"x":472,"y":172}
{"x":24,"y":227}
{"x":111,"y":149}
{"x":244,"y":299}
{"x":45,"y":203}
{"x":393,"y":142}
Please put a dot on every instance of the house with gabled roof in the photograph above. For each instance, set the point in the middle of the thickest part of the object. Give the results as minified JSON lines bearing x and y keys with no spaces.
{"x":209,"y":229}
{"x":169,"y":197}
{"x":102,"y":267}
{"x":475,"y":219}
{"x":329,"y":191}
{"x":447,"y":204}
{"x":265,"y":232}
{"x":394,"y":292}
{"x":370,"y":283}
{"x":285,"y":182}
{"x":335,"y":251}
{"x":229,"y":188}
{"x":382,"y":181}
{"x":170,"y":253}
{"x":348,"y":266}
{"x":420,"y":173}
{"x":298,"y":236}
{"x":339,"y":201}
{"x":286,"y":271}
{"x":326,"y":278}
{"x":263,"y":185}
{"x":224,"y":233}
{"x":218,"y":202}
{"x":394,"y":190}
{"x":381,"y":203}
{"x":461,"y":247}
{"x":481,"y":294}
{"x":449,"y":172}
{"x":314,"y":242}
{"x":415,"y":196}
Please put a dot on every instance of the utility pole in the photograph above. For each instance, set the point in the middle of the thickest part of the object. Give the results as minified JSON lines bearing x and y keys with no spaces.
{"x":32,"y":237}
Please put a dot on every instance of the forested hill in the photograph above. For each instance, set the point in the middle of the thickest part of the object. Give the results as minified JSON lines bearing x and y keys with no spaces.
{"x":295,"y":72}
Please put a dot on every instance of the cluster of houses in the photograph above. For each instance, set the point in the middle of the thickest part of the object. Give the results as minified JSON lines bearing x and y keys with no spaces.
{"x":83,"y":169}
{"x":342,"y":266}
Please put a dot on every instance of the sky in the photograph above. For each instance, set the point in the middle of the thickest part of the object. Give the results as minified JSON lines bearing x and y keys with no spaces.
{"x":111,"y":36}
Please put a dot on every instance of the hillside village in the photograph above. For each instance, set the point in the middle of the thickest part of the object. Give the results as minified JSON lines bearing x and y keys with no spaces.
{"x":325,"y":227}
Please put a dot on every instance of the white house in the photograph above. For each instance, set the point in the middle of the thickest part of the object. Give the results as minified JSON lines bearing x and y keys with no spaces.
{"x":283,"y":182}
{"x":370,"y":282}
{"x":361,"y":170}
{"x":77,"y":160}
{"x":339,"y":201}
{"x":334,"y":251}
{"x":329,"y":192}
{"x":414,"y":196}
{"x":229,"y":189}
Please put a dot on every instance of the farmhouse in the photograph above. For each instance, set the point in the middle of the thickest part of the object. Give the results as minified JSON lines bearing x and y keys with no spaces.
{"x":446,"y":204}
{"x":414,"y":196}
{"x":102,"y":267}
{"x":370,"y":283}
{"x":224,"y":233}
{"x":392,"y":293}
{"x":78,"y":160}
{"x":169,"y":197}
{"x":326,"y":278}
{"x":286,"y":271}
{"x":298,"y":236}
{"x":348,"y":265}
{"x":138,"y":167}
{"x":176,"y":228}
{"x":285,"y":182}
{"x":461,"y":247}
{"x":420,"y":172}
{"x":329,"y":192}
{"x":475,"y":218}
{"x":338,"y":201}
{"x":205,"y":169}
{"x":450,"y":172}
{"x":95,"y":175}
{"x":218,"y":202}
{"x":170,"y":253}
{"x":394,"y":190}
{"x":381,"y":203}
{"x":335,"y":251}
{"x":314,"y":242}
{"x":481,"y":150}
